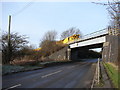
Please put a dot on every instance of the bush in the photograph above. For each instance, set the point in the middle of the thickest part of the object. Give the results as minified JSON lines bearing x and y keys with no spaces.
{"x":50,"y":47}
{"x":24,"y":62}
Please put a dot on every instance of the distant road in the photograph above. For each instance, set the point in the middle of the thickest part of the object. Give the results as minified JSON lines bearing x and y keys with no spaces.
{"x":72,"y":75}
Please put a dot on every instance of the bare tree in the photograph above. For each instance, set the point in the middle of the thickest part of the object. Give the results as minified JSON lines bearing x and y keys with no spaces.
{"x":71,"y":31}
{"x":16,"y":43}
{"x":48,"y":44}
{"x":114,"y":11}
{"x":48,"y":36}
{"x":113,"y":8}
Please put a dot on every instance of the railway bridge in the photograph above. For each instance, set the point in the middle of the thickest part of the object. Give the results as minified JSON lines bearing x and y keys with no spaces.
{"x":105,"y":39}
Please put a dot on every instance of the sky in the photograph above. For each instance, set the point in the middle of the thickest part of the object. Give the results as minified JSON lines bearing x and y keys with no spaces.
{"x":35,"y":18}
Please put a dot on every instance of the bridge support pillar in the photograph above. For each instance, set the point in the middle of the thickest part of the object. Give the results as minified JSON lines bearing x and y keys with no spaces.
{"x":119,"y":50}
{"x":69,"y":54}
{"x":111,"y":49}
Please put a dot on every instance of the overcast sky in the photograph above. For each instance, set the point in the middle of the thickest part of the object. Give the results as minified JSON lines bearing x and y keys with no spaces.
{"x":36,"y":18}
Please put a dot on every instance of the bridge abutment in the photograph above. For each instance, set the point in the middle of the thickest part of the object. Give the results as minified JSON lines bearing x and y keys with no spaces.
{"x":111,"y":49}
{"x":68,"y":53}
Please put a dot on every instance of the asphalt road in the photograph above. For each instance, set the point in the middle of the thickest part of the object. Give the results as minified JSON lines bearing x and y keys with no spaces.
{"x":72,"y":75}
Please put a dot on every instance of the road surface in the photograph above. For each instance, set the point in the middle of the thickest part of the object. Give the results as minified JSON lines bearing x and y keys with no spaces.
{"x":72,"y":75}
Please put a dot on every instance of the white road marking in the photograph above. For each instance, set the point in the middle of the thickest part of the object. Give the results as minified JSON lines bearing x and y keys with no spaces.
{"x":71,"y":67}
{"x":50,"y":74}
{"x":13,"y":86}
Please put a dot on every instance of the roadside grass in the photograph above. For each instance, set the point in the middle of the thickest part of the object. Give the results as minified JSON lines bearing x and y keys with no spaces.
{"x":113,"y":74}
{"x":53,"y":63}
{"x":7,"y":69}
{"x":11,"y":68}
{"x":101,"y":82}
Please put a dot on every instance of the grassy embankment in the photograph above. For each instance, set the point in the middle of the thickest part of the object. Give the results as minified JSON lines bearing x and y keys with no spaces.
{"x":113,"y":73}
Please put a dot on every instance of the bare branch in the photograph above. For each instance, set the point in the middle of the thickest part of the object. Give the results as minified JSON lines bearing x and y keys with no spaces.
{"x":70,"y":32}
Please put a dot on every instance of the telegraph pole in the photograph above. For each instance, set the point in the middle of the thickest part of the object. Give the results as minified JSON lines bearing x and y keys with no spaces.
{"x":9,"y":43}
{"x":119,"y":18}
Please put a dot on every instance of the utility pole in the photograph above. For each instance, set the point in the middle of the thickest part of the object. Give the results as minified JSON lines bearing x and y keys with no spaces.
{"x":119,"y":18}
{"x":9,"y":43}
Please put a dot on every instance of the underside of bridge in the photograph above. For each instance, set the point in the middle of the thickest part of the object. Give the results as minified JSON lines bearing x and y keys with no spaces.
{"x":84,"y":52}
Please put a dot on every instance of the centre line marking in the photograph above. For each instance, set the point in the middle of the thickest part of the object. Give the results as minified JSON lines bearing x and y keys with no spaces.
{"x":71,"y":67}
{"x":50,"y":74}
{"x":13,"y":86}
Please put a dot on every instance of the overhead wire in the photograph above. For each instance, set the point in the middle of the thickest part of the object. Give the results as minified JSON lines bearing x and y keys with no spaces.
{"x":22,"y":9}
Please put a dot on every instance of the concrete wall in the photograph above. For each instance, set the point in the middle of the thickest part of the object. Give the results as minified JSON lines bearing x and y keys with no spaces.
{"x":111,"y":49}
{"x":59,"y":55}
{"x":119,"y":51}
{"x":0,"y":57}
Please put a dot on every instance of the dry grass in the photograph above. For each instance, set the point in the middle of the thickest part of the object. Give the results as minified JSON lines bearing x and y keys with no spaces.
{"x":24,"y":62}
{"x":115,"y":66}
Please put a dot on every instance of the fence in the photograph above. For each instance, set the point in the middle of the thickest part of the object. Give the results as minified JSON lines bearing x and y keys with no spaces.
{"x":96,"y":78}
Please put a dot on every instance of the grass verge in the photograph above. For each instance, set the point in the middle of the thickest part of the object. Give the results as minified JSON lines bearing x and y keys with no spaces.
{"x":8,"y":69}
{"x":113,"y":74}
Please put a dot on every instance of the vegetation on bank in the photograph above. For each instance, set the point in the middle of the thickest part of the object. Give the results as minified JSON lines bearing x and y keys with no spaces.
{"x":8,"y":69}
{"x":113,"y":73}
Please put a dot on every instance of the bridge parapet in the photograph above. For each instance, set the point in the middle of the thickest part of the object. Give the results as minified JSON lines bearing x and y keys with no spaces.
{"x":95,"y":34}
{"x":102,"y":32}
